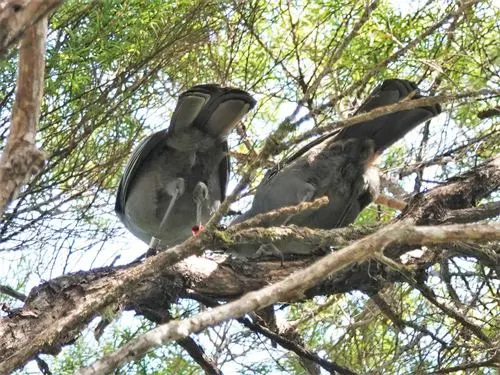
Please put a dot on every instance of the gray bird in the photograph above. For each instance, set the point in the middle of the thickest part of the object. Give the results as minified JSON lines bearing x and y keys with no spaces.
{"x":338,"y":165}
{"x":177,"y":177}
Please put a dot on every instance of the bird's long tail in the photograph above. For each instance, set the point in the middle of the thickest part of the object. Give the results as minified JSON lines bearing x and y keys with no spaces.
{"x":211,"y":109}
{"x":387,"y":129}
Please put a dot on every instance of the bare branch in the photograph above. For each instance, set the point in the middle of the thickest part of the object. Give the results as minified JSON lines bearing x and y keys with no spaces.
{"x":492,"y":362}
{"x":21,"y":158}
{"x":397,"y":204}
{"x":429,"y":294}
{"x":461,"y":192}
{"x":295,"y":285}
{"x":488,"y":113}
{"x":5,"y":289}
{"x":16,"y":17}
{"x":400,"y":323}
{"x":469,"y":215}
{"x":198,"y":354}
{"x":282,"y":341}
{"x":378,"y":112}
{"x":280,"y":215}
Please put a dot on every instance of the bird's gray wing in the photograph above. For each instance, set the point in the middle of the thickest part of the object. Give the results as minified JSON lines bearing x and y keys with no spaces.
{"x":224,"y":171}
{"x":134,"y":164}
{"x":383,"y":132}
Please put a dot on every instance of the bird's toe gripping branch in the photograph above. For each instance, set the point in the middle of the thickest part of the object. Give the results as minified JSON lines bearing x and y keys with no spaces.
{"x":200,"y":196}
{"x":269,"y":249}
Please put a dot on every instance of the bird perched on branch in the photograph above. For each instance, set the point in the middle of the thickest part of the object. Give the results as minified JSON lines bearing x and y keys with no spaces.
{"x":339,"y":165}
{"x":177,"y":177}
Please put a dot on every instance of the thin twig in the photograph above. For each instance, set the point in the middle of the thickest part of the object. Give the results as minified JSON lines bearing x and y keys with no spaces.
{"x":5,"y":289}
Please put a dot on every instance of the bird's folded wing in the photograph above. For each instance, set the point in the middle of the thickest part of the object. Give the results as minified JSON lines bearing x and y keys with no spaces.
{"x":224,"y":171}
{"x":141,"y":152}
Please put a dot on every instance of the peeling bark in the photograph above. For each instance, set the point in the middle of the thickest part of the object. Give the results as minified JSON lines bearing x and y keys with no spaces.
{"x":55,"y":312}
{"x":16,"y":16}
{"x":21,"y":158}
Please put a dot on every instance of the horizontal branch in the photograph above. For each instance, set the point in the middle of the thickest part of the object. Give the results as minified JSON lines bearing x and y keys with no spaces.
{"x":394,"y":203}
{"x":56,"y":311}
{"x":5,"y":289}
{"x":469,"y":215}
{"x":460,"y":192}
{"x":488,"y":113}
{"x":403,"y":105}
{"x":294,"y":285}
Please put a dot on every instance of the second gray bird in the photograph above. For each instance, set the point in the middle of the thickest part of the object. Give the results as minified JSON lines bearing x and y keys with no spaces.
{"x":339,"y":165}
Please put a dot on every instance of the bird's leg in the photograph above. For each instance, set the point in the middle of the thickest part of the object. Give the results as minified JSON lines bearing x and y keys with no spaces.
{"x":200,"y":195}
{"x":175,"y":189}
{"x":306,"y":195}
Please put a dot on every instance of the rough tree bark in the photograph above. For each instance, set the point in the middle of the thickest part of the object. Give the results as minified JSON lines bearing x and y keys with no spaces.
{"x":21,"y":158}
{"x":16,"y":16}
{"x":55,"y":312}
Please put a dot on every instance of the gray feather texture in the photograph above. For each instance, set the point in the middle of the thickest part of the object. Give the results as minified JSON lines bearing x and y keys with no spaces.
{"x":173,"y":161}
{"x":338,"y":165}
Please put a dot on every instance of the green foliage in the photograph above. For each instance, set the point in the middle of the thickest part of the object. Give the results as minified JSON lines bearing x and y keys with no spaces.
{"x":113,"y":72}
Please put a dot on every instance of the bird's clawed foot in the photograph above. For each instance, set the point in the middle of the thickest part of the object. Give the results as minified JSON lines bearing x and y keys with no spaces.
{"x":269,"y":249}
{"x":200,"y":196}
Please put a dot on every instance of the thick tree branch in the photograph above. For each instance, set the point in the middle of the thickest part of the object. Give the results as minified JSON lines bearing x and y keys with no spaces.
{"x":469,"y":215}
{"x":56,"y":311}
{"x":16,"y":16}
{"x":21,"y":158}
{"x":59,"y":324}
{"x":294,"y":285}
{"x":459,"y":193}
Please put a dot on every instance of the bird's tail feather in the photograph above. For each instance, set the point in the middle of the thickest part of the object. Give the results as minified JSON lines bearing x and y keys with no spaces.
{"x":212,"y":109}
{"x":386,"y":130}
